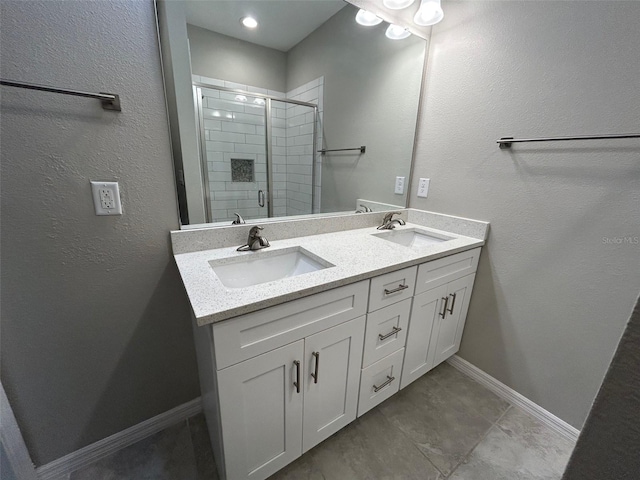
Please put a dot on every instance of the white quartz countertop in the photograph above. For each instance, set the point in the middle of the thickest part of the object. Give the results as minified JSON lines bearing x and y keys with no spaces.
{"x":356,"y":255}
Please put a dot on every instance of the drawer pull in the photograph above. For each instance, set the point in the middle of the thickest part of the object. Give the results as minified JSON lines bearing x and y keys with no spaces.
{"x":396,"y":290}
{"x":453,"y":302}
{"x":391,"y":333}
{"x":444,"y":310}
{"x":387,"y":382}
{"x":297,"y":382}
{"x":315,"y":375}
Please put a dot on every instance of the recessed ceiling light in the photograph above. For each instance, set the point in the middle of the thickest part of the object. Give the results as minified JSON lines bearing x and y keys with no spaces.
{"x":241,"y":98}
{"x":259,"y":101}
{"x":367,"y":19}
{"x":249,"y":22}
{"x":396,"y":32}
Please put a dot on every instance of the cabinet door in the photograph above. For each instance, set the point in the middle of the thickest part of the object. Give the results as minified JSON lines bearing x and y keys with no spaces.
{"x":449,"y":331}
{"x":332,"y":377}
{"x":261,"y":412}
{"x":426,"y":310}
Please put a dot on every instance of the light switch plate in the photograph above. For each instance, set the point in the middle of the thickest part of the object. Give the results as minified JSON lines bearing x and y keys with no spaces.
{"x":399,"y":185}
{"x":106,"y":198}
{"x":423,"y":187}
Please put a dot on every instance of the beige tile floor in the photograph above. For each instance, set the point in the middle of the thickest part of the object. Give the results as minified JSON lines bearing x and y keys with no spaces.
{"x":442,"y":426}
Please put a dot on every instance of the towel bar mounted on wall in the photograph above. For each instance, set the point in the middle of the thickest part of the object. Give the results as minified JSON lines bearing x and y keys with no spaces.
{"x":506,"y":142}
{"x":110,"y":101}
{"x":362,"y":149}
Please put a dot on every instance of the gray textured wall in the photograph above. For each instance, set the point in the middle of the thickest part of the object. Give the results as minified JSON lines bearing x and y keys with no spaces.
{"x":552,"y":297}
{"x":369,"y":99}
{"x":218,"y":56}
{"x":95,"y":324}
{"x":609,"y":445}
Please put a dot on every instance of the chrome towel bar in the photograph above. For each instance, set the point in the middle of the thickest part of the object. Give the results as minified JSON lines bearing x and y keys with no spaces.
{"x":362,"y":149}
{"x":506,"y":142}
{"x":110,"y":101}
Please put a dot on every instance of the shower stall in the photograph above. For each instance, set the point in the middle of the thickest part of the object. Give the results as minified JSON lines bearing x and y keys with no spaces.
{"x":258,"y":152}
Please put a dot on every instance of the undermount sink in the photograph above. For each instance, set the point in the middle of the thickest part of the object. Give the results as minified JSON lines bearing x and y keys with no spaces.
{"x":412,"y":238}
{"x":266,"y":266}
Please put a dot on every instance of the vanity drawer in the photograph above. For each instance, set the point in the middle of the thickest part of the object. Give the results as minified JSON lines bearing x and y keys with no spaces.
{"x":380,"y":339}
{"x":392,"y":288}
{"x":246,"y":336}
{"x":379,"y":381}
{"x":438,"y":272}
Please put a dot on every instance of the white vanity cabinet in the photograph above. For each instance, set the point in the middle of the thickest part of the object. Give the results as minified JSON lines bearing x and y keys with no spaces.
{"x":278,"y":405}
{"x":439,"y":312}
{"x":278,"y":381}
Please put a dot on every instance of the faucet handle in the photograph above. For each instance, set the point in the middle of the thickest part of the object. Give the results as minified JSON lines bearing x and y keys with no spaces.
{"x":389,"y":216}
{"x":255,"y":231}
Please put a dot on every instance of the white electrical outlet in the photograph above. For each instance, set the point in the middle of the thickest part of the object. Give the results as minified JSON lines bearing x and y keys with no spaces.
{"x":399,"y":185}
{"x":423,"y":187}
{"x":106,"y":198}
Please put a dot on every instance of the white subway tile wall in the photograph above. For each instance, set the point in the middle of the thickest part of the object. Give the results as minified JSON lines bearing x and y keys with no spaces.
{"x":235,"y":129}
{"x":300,"y":154}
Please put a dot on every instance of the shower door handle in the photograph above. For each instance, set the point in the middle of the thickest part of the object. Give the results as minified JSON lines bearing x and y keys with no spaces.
{"x":261,"y":198}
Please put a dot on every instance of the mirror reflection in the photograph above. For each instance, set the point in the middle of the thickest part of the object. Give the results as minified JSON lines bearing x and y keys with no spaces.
{"x":301,"y":111}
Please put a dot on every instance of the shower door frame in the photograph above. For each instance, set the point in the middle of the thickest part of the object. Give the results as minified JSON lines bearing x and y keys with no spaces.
{"x":197,"y":94}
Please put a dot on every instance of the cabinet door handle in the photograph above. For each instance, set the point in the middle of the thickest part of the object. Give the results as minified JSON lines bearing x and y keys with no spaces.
{"x":387,"y":382}
{"x":315,"y":375}
{"x":453,"y":302}
{"x":297,"y":382}
{"x":395,"y":290}
{"x":391,"y":333}
{"x":444,"y":310}
{"x":261,"y":198}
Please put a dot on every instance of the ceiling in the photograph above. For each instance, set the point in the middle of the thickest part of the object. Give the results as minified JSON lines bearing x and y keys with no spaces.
{"x":282,"y":23}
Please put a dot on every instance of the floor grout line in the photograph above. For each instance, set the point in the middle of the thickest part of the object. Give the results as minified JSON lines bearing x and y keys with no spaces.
{"x":468,"y":454}
{"x":415,"y":444}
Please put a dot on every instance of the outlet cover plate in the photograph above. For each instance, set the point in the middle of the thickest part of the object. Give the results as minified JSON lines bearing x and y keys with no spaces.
{"x":106,"y":198}
{"x":423,"y":187}
{"x":399,"y":190}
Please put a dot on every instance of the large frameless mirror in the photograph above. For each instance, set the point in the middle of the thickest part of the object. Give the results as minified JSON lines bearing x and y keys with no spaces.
{"x":307,"y":113}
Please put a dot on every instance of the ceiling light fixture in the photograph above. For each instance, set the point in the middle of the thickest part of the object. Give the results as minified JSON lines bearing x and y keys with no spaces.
{"x":259,"y":101}
{"x":429,"y":13}
{"x":249,"y":22}
{"x":241,"y":98}
{"x":397,"y":4}
{"x":396,"y":32}
{"x":367,"y":19}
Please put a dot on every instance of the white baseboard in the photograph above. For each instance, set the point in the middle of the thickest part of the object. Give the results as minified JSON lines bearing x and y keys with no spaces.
{"x":62,"y":467}
{"x":513,"y":397}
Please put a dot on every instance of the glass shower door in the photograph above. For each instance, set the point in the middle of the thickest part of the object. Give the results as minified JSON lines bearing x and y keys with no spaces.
{"x":234,"y":153}
{"x":293,"y":149}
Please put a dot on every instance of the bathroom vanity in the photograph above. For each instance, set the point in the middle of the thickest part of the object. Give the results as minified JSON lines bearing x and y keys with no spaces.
{"x":296,"y":341}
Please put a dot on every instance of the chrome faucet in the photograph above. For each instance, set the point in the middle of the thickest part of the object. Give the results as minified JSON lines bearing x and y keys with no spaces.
{"x":365,"y":209}
{"x":239,"y":220}
{"x":389,"y":223}
{"x":255,"y":241}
